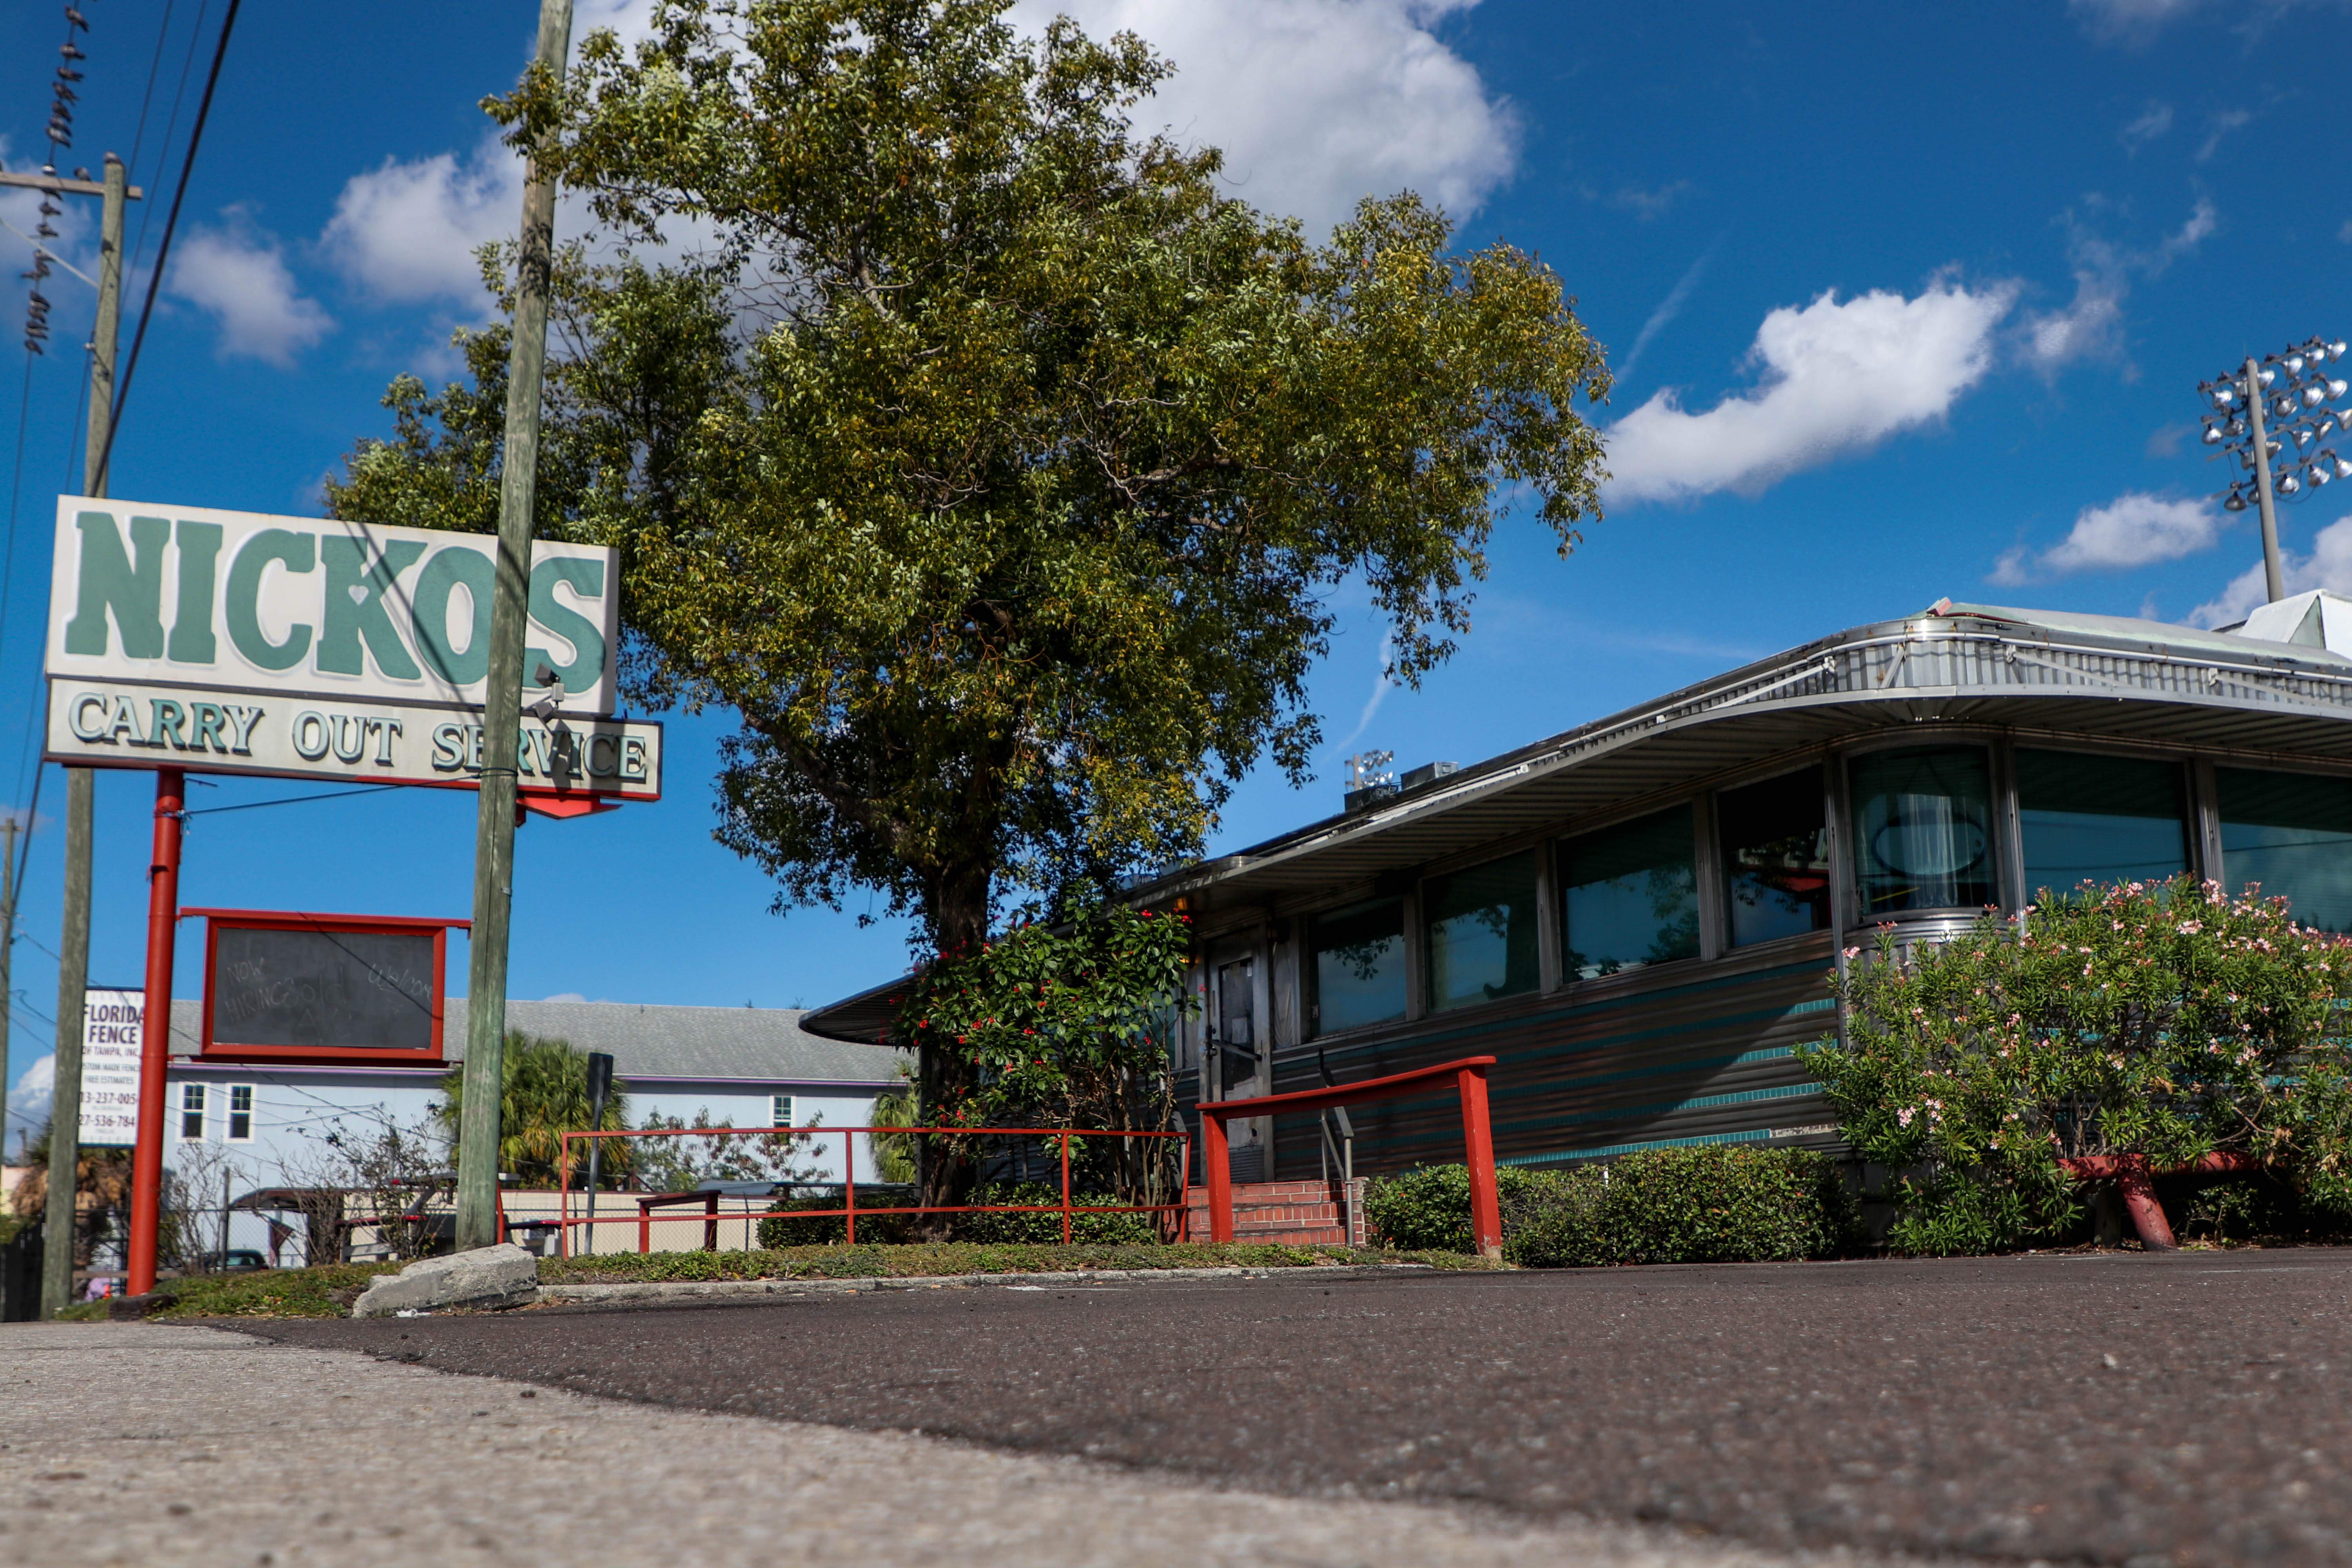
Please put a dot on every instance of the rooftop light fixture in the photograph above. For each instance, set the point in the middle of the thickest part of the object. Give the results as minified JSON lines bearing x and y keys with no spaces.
{"x":2296,"y":386}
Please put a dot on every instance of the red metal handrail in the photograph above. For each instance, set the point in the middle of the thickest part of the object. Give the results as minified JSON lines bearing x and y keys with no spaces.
{"x":850,"y":1209}
{"x":1469,"y":1076}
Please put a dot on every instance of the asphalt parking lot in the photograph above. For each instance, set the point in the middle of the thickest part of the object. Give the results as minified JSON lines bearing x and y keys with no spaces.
{"x":2116,"y":1408}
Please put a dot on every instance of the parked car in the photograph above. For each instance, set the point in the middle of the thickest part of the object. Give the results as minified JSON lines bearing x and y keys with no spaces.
{"x":236,"y":1260}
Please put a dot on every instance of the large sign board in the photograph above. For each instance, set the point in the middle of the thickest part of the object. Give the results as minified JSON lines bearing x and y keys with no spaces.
{"x":298,"y":606}
{"x":111,"y":1037}
{"x":323,"y":987}
{"x":305,"y":648}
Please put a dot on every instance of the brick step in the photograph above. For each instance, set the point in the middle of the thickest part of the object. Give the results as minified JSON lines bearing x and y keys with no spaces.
{"x":1295,"y":1214}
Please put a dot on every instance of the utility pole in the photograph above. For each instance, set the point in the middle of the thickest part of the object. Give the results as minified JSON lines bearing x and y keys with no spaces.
{"x":486,"y":983}
{"x":8,"y":951}
{"x":73,"y":944}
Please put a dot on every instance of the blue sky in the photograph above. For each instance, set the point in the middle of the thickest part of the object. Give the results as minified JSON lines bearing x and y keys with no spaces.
{"x":1905,"y":302}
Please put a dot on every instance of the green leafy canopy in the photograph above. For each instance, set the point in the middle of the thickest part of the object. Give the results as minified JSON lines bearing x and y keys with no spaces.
{"x":991,"y":463}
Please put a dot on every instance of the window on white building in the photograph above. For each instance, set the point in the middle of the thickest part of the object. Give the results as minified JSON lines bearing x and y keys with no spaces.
{"x":780,"y":1110}
{"x":240,"y":1113}
{"x":192,"y":1112}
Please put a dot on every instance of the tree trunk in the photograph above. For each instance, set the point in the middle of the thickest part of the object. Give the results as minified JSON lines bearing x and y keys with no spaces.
{"x":956,"y":908}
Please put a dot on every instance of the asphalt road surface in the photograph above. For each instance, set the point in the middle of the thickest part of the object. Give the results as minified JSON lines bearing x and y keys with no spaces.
{"x":2117,"y":1409}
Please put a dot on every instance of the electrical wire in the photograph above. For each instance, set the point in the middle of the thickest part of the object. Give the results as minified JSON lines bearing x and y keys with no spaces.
{"x":289,"y":800}
{"x":162,"y":36}
{"x":164,"y":250}
{"x":187,"y":63}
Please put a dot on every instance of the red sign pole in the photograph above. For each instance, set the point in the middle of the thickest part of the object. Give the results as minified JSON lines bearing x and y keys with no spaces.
{"x":155,"y":1045}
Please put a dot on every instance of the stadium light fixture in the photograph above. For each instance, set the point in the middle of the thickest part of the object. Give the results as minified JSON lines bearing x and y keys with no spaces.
{"x":2273,"y":417}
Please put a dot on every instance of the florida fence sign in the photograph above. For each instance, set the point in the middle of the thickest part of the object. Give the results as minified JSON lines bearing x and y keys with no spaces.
{"x":236,"y":642}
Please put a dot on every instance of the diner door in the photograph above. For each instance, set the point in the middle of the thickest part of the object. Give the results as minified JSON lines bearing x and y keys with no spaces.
{"x":1242,"y":1066}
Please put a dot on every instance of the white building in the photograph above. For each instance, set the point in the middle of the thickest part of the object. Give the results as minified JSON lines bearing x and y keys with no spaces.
{"x":262,"y":1125}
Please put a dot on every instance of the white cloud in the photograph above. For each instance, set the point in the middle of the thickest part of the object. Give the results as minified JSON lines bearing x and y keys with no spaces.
{"x":28,"y":1098}
{"x":1316,"y":103}
{"x":2328,"y":567}
{"x":1836,"y":377}
{"x":2090,"y":326}
{"x":239,"y":276}
{"x":2223,"y":123}
{"x":2132,"y":20}
{"x":2134,"y":529}
{"x":1668,"y":309}
{"x":408,"y":231}
{"x":565,"y":996}
{"x":2152,"y":123}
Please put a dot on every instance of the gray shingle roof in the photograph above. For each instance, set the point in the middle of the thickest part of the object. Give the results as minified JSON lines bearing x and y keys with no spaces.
{"x":758,"y":1043}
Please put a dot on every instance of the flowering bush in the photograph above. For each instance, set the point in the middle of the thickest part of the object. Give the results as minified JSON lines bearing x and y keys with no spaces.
{"x":2161,"y":1020}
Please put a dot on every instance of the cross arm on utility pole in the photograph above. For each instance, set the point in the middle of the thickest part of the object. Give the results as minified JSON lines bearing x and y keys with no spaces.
{"x":65,"y":186}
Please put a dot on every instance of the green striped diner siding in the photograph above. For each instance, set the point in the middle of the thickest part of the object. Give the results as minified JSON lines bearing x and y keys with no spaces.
{"x":1705,"y":1058}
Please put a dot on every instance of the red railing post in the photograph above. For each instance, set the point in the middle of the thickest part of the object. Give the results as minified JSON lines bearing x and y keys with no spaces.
{"x":710,"y":1224}
{"x":1478,"y":1141}
{"x":563,"y":1196}
{"x":1218,"y":1169}
{"x":849,"y":1184}
{"x":644,"y":1224}
{"x":1066,"y":1189}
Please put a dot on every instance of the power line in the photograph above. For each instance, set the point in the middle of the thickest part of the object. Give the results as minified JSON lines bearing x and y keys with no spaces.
{"x":290,"y":800}
{"x":162,"y":36}
{"x":164,"y":250}
{"x":187,"y":63}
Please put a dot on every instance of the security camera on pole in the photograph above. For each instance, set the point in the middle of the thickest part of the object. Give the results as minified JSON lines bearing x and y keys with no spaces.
{"x":2273,"y":417}
{"x":485,"y":989}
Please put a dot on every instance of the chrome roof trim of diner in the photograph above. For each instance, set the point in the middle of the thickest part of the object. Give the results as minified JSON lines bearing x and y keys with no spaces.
{"x":2056,"y":674}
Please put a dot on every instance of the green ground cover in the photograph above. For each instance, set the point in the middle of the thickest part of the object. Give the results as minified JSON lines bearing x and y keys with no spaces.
{"x":329,"y":1291}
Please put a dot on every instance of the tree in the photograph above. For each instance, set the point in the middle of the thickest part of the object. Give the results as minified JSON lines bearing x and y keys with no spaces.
{"x":2160,"y":1021}
{"x":1060,"y":1024}
{"x":544,"y":1096}
{"x":993,"y":465}
{"x":101,"y":1190}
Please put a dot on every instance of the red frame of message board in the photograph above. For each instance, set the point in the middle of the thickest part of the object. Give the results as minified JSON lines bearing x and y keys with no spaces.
{"x":364,"y":925}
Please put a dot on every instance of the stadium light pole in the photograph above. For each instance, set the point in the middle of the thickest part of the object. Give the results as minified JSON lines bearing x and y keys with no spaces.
{"x":2273,"y":415}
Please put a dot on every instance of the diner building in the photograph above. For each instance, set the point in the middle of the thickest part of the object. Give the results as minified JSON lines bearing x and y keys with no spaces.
{"x":1638,"y":918}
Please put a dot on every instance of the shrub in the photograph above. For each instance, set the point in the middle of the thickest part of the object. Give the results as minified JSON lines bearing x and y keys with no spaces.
{"x":1040,"y":1229}
{"x":1710,"y":1204}
{"x":1093,"y":1229}
{"x":1428,"y":1208}
{"x":2161,"y":1021}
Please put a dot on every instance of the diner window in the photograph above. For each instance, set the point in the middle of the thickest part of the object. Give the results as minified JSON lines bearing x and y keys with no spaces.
{"x":2293,"y":834}
{"x":1358,"y":965}
{"x":2099,"y":819}
{"x":1629,"y":895}
{"x":240,"y":1113}
{"x":780,"y":1110}
{"x":1923,"y":831}
{"x":191,"y":1112}
{"x":1776,"y":857}
{"x":1482,"y":932}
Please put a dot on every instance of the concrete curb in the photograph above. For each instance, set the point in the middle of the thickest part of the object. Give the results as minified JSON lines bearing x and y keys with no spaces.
{"x":687,"y":1290}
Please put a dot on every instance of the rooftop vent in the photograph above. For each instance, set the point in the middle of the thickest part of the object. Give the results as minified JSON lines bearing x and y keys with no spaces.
{"x":1430,"y":773}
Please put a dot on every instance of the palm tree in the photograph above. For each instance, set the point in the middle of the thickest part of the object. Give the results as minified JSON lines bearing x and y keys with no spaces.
{"x":544,"y":1096}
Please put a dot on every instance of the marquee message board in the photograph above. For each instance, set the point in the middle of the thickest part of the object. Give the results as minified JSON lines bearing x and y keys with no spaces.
{"x":323,"y":987}
{"x":111,"y":1037}
{"x":305,"y":648}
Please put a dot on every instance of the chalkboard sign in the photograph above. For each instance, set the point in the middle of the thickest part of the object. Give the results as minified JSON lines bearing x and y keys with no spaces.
{"x":323,"y":987}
